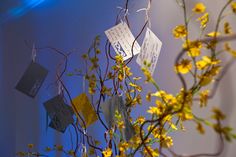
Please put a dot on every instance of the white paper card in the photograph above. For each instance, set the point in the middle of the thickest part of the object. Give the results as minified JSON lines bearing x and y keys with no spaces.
{"x":150,"y":50}
{"x":122,"y":40}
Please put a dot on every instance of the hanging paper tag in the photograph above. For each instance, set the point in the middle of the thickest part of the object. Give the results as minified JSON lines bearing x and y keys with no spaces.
{"x":61,"y":114}
{"x":58,"y":123}
{"x":122,"y":40}
{"x":150,"y":51}
{"x":83,"y":105}
{"x":109,"y":108}
{"x":32,"y":79}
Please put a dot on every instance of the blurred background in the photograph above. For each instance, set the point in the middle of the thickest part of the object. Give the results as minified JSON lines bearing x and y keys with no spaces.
{"x":71,"y":26}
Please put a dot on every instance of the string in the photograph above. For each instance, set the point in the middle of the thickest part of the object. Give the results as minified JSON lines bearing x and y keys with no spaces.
{"x":147,"y":11}
{"x":84,"y":84}
{"x":34,"y":53}
{"x":59,"y":88}
{"x":84,"y":150}
{"x":126,"y":13}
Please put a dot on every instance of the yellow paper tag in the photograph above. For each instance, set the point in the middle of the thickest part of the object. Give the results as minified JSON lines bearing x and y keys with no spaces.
{"x":83,"y":106}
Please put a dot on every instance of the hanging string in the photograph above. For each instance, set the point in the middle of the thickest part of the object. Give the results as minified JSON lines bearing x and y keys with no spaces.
{"x":84,"y":84}
{"x":59,"y":86}
{"x":147,"y":12}
{"x":34,"y":53}
{"x":84,"y":150}
{"x":123,"y":10}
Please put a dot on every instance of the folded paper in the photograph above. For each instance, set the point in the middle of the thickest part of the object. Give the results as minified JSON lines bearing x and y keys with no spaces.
{"x":83,"y":106}
{"x":122,"y":40}
{"x":32,"y":79}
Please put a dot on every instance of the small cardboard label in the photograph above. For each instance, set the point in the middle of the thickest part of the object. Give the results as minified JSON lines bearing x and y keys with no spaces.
{"x":150,"y":50}
{"x":32,"y":79}
{"x":122,"y":40}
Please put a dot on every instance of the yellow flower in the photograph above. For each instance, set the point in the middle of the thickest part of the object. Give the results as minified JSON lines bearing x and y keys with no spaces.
{"x":230,"y":50}
{"x":218,"y":115}
{"x":213,"y":34}
{"x":194,"y":52}
{"x":204,"y":20}
{"x":140,"y":119}
{"x":204,"y":98}
{"x":167,"y":98}
{"x":59,"y":147}
{"x":148,"y":97}
{"x":184,"y":66}
{"x":215,"y":70}
{"x":137,"y":78}
{"x":205,"y":62}
{"x":193,"y":47}
{"x":154,"y":152}
{"x":199,"y":8}
{"x":233,"y":6}
{"x":123,"y":146}
{"x":85,"y":56}
{"x":148,"y":75}
{"x":71,"y":152}
{"x":48,"y":149}
{"x":173,"y":126}
{"x":91,"y":151}
{"x":30,"y":146}
{"x":205,"y":80}
{"x":154,"y":110}
{"x":135,"y":86}
{"x":119,"y":120}
{"x":21,"y":154}
{"x":200,"y":128}
{"x":167,"y":141}
{"x":227,"y":28}
{"x":107,"y":152}
{"x":180,"y":31}
{"x":119,"y":59}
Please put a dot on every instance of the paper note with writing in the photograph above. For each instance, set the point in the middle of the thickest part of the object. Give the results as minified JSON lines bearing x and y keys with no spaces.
{"x":83,"y":106}
{"x":150,"y":50}
{"x":61,"y":114}
{"x":122,"y":40}
{"x":32,"y":79}
{"x":109,"y":108}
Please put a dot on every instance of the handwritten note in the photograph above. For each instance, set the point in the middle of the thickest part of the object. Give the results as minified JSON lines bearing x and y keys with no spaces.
{"x":150,"y":51}
{"x":122,"y":41}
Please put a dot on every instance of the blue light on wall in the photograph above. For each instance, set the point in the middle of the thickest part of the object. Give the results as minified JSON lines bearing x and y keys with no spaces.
{"x":26,"y":6}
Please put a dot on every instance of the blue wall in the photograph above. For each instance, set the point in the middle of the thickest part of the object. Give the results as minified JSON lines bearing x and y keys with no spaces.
{"x":61,"y":24}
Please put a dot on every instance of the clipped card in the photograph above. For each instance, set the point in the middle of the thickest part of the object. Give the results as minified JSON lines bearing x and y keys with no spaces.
{"x":109,"y":108}
{"x":122,"y":40}
{"x":83,"y":106}
{"x":150,"y":51}
{"x":32,"y":79}
{"x":61,"y":114}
